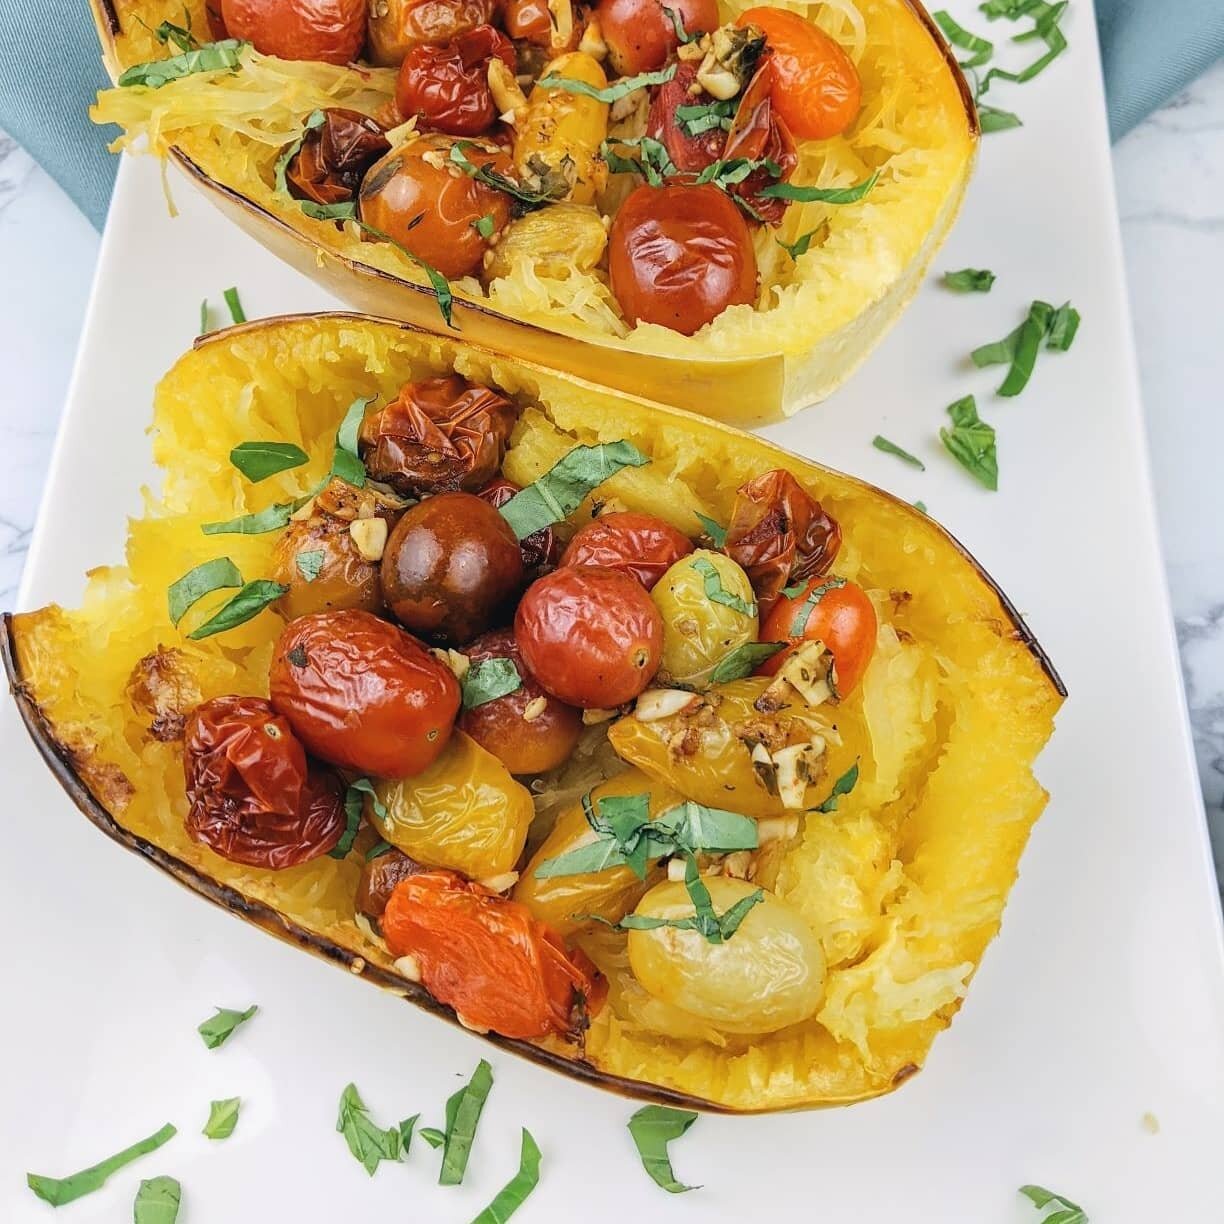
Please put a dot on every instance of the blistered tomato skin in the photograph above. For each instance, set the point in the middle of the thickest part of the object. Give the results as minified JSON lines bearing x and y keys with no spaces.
{"x":590,"y":636}
{"x":396,"y":26}
{"x":502,"y":726}
{"x":254,"y":797}
{"x":344,"y":579}
{"x":378,"y":879}
{"x":539,"y":550}
{"x":640,"y":35}
{"x":363,"y":694}
{"x":447,"y":87}
{"x":499,"y":968}
{"x":678,"y":256}
{"x":451,"y":566}
{"x":333,"y":158}
{"x":329,"y":30}
{"x":640,"y":545}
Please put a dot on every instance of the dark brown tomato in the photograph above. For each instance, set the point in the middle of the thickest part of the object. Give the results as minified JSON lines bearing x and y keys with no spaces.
{"x":527,"y":730}
{"x":678,"y":256}
{"x":363,"y":694}
{"x":641,"y":36}
{"x":413,"y":198}
{"x":335,"y":156}
{"x":438,"y":435}
{"x":378,"y":879}
{"x":396,"y":26}
{"x":640,"y":545}
{"x":254,"y":797}
{"x":447,"y":87}
{"x":591,"y":637}
{"x":540,"y":550}
{"x":329,"y":30}
{"x":451,"y":568}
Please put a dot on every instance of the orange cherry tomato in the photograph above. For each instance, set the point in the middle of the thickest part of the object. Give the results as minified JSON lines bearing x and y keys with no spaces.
{"x":640,"y":35}
{"x":640,"y":545}
{"x":328,"y":30}
{"x":842,"y":617}
{"x":591,"y":637}
{"x":529,"y":20}
{"x":816,"y":87}
{"x":679,"y":256}
{"x":500,"y":968}
{"x":432,"y":212}
{"x":447,"y":87}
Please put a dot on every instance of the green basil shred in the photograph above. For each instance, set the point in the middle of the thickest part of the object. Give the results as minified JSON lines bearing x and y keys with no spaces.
{"x":462,"y":1117}
{"x":216,"y":575}
{"x":60,"y":1190}
{"x":653,"y":1127}
{"x":881,"y":443}
{"x":237,"y":314}
{"x":369,"y":1144}
{"x":217,"y":1030}
{"x":222,"y":1118}
{"x":610,"y":93}
{"x":717,"y":593}
{"x":310,"y":563}
{"x":958,"y":36}
{"x":157,"y":1201}
{"x":820,"y":195}
{"x":250,"y":601}
{"x":712,"y":528}
{"x":653,"y":161}
{"x":354,"y":808}
{"x":803,"y":613}
{"x":259,"y":460}
{"x":1067,"y":1212}
{"x":213,"y":57}
{"x":969,"y":280}
{"x":743,"y":661}
{"x":1018,"y":350}
{"x":843,"y":786}
{"x":438,"y":282}
{"x":514,"y":1193}
{"x":971,"y":442}
{"x":489,"y":679}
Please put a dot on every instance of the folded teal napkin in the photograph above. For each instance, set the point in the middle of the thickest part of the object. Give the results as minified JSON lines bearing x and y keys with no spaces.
{"x":50,"y":71}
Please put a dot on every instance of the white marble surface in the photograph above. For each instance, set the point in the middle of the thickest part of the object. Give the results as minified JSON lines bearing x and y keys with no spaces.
{"x":1170,"y":179}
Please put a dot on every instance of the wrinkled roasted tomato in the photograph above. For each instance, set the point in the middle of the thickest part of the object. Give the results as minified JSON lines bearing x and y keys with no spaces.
{"x":328,"y":30}
{"x":640,"y":545}
{"x":378,"y":879}
{"x":437,"y":435}
{"x":540,"y":549}
{"x":523,"y":744}
{"x":486,"y":956}
{"x":254,"y":797}
{"x":529,"y":20}
{"x":640,"y":35}
{"x":591,"y":637}
{"x":396,"y":26}
{"x":334,"y":157}
{"x":679,"y":256}
{"x":363,"y":694}
{"x":451,"y":567}
{"x":447,"y":87}
{"x":779,"y":534}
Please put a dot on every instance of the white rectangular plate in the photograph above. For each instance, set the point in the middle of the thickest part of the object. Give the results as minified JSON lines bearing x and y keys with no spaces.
{"x":1102,"y":1001}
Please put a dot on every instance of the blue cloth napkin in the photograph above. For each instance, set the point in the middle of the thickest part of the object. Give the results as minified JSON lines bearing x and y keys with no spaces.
{"x":50,"y":70}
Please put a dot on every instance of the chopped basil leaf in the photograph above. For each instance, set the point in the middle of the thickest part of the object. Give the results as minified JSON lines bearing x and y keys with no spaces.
{"x":222,"y":1118}
{"x":920,"y":505}
{"x":369,"y":1144}
{"x":378,"y":850}
{"x":216,"y":1029}
{"x":408,"y":1125}
{"x":1018,"y":349}
{"x":743,"y":661}
{"x":157,"y":1201}
{"x":971,"y":442}
{"x":678,"y":25}
{"x":271,"y":518}
{"x":1046,"y":28}
{"x":653,"y":1127}
{"x":433,"y":1136}
{"x":795,"y":589}
{"x":462,"y":1117}
{"x":800,"y":245}
{"x":958,"y":36}
{"x":203,"y":318}
{"x":60,"y":1190}
{"x":559,"y":492}
{"x":969,"y":280}
{"x":611,"y":93}
{"x":488,"y":680}
{"x":734,"y":170}
{"x":438,"y":282}
{"x":1011,"y":9}
{"x":1067,"y":1213}
{"x":705,"y":116}
{"x":346,"y":459}
{"x":1064,"y":323}
{"x":247,"y":604}
{"x":484,"y":225}
{"x":596,"y":856}
{"x":843,"y":786}
{"x":310,"y":564}
{"x":210,"y":58}
{"x":819,"y":195}
{"x":168,"y":32}
{"x":716,"y":532}
{"x":492,"y":178}
{"x":691,"y":826}
{"x":992,"y":119}
{"x":803,"y":613}
{"x":218,"y":574}
{"x":653,"y":160}
{"x":717,"y":593}
{"x":514,"y":1193}
{"x":881,"y":443}
{"x":259,"y":460}
{"x":237,"y":314}
{"x":354,"y":808}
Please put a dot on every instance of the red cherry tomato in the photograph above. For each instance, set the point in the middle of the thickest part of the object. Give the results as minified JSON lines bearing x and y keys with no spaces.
{"x":679,"y":256}
{"x":591,"y":637}
{"x":816,"y":87}
{"x":328,"y":30}
{"x":254,"y":797}
{"x":842,"y":617}
{"x":689,"y":154}
{"x":447,"y":87}
{"x":500,"y":968}
{"x":641,"y":36}
{"x":539,"y":550}
{"x":363,"y":694}
{"x":640,"y":545}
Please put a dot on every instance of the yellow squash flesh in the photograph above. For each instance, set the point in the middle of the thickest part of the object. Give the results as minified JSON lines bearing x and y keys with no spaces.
{"x":815,"y":319}
{"x":903,"y":886}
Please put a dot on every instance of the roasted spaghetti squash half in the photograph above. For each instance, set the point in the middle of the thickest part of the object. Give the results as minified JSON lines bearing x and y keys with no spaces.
{"x":765,"y":250}
{"x":707,"y":780}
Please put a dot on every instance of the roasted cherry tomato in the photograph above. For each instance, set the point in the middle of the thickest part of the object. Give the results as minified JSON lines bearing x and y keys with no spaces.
{"x":334,"y":157}
{"x":378,"y":879}
{"x":540,"y":549}
{"x":590,"y":636}
{"x":412,"y":196}
{"x":816,"y":87}
{"x":485,"y":956}
{"x":640,"y":545}
{"x":779,"y":534}
{"x":447,"y":87}
{"x":254,"y":796}
{"x":438,"y":435}
{"x":396,"y":26}
{"x":831,"y":611}
{"x":690,"y":154}
{"x":527,"y":730}
{"x":529,"y":20}
{"x":328,"y":30}
{"x":679,"y":256}
{"x":451,"y":567}
{"x":363,"y":694}
{"x":641,"y":36}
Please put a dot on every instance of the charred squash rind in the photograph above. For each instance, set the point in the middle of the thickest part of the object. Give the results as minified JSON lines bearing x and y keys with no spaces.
{"x":747,"y":381}
{"x":57,"y":702}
